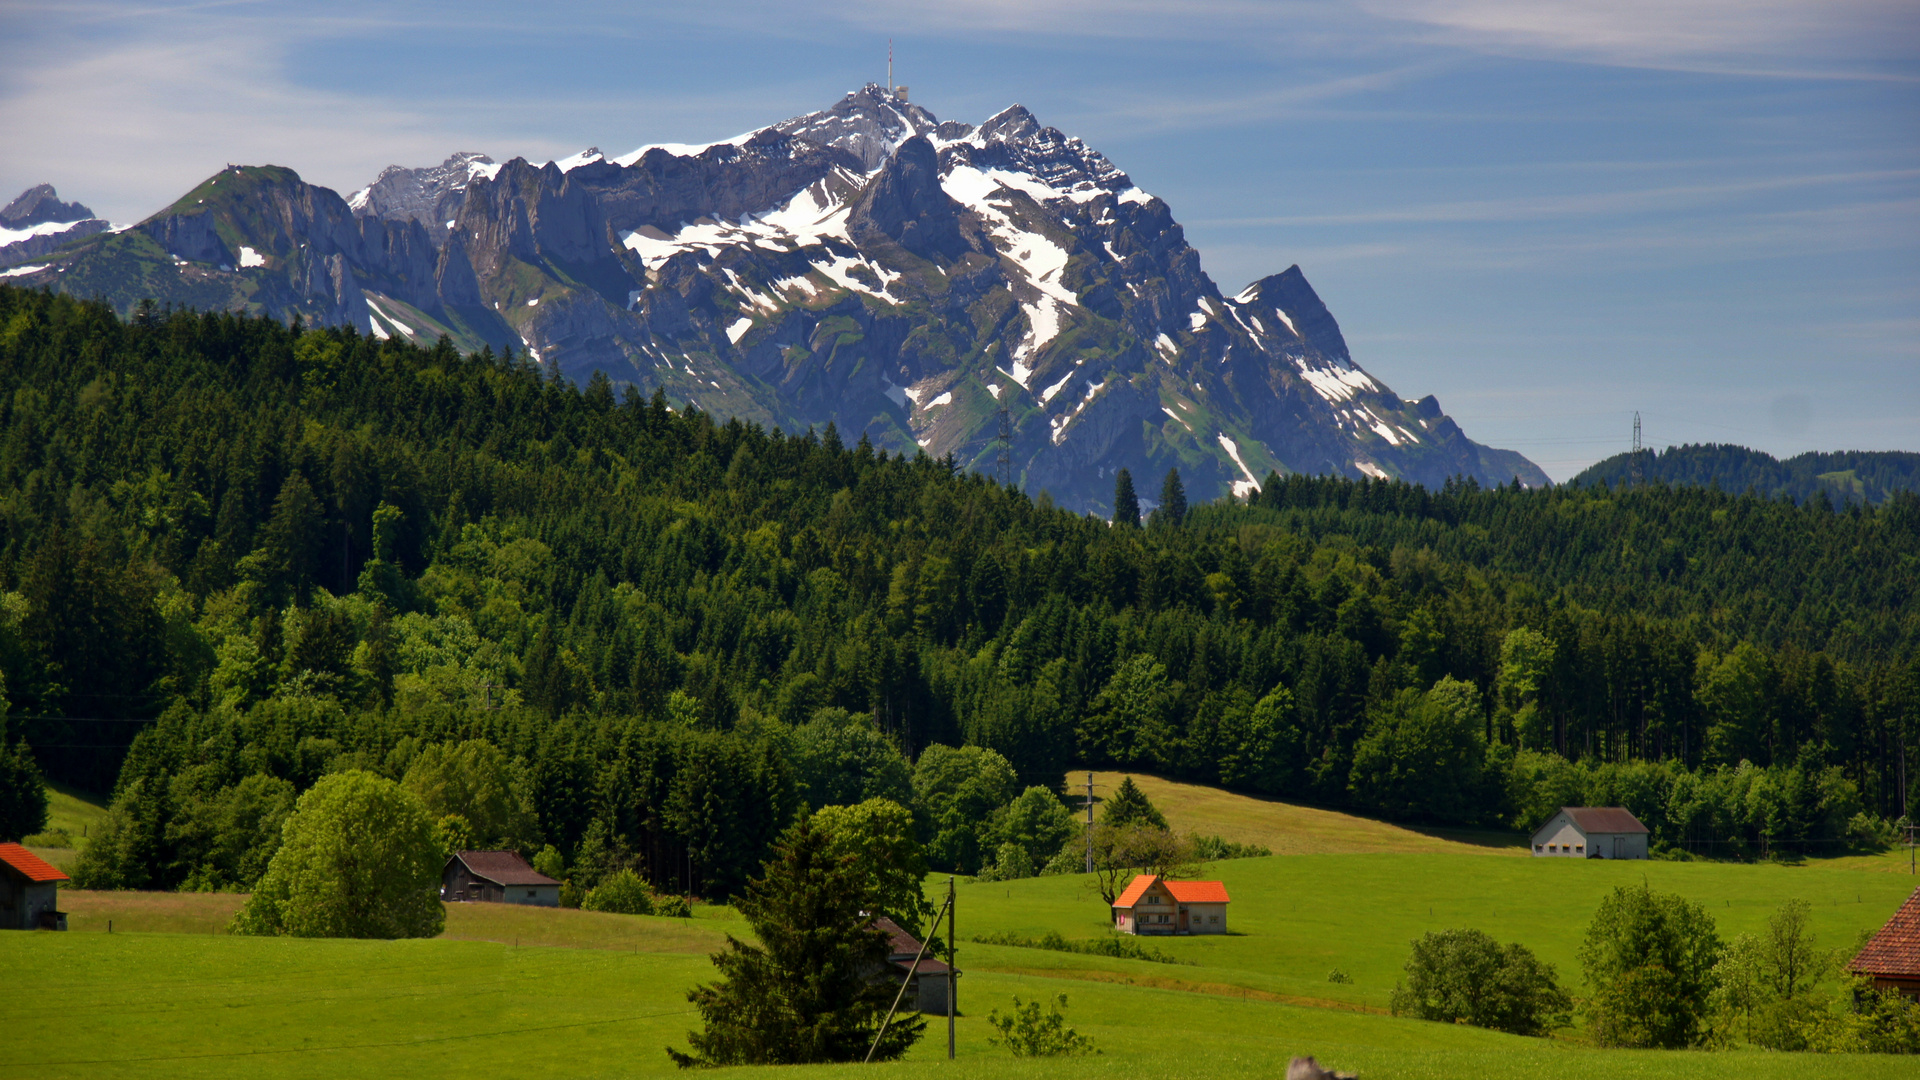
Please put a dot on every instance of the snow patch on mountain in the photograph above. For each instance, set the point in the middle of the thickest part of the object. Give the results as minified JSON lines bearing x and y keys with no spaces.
{"x":1241,"y":488}
{"x":1335,"y":383}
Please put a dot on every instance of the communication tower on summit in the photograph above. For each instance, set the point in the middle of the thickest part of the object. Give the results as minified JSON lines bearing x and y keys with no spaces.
{"x":1639,"y":478}
{"x":897,"y":91}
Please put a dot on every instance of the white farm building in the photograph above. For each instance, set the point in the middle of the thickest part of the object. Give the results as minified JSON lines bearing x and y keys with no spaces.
{"x":1591,"y":832}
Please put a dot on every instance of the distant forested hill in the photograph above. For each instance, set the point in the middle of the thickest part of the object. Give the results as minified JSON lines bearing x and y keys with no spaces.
{"x":1845,"y":476}
{"x":236,"y":556}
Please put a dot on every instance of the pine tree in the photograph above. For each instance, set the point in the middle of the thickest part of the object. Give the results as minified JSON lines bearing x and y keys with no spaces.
{"x":1173,"y":500}
{"x":1126,"y":505}
{"x":1130,"y":806}
{"x":807,"y":993}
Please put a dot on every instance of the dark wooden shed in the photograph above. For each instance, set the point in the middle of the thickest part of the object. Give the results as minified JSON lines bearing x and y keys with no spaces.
{"x":496,"y":877}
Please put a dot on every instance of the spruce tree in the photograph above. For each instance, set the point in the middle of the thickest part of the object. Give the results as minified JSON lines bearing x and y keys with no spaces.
{"x":1173,"y":500}
{"x":815,"y":988}
{"x":1130,"y":806}
{"x":1126,"y":505}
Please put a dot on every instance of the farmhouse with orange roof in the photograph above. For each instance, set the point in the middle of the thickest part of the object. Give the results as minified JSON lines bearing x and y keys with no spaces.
{"x":1892,"y":958}
{"x":29,"y":891}
{"x":1153,"y":905}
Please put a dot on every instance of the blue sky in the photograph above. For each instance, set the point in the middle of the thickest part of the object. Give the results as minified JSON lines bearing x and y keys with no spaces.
{"x":1548,"y":213}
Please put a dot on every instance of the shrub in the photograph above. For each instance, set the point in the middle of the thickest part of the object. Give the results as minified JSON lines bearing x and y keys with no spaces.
{"x":1028,"y":1033}
{"x":1465,"y":976}
{"x":1010,"y":863}
{"x":1213,"y":849}
{"x":1879,"y":1022}
{"x":1649,"y":958}
{"x":621,"y":892}
{"x":358,"y":858}
{"x":1114,"y":945}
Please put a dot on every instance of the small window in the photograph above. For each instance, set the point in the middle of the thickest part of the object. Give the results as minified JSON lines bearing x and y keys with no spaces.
{"x":1213,"y":918}
{"x":529,"y":892}
{"x":1539,"y":847}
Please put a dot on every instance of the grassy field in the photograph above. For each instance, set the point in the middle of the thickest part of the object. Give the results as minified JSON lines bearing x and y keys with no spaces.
{"x":71,"y":813}
{"x":1287,"y":828}
{"x":169,"y":993}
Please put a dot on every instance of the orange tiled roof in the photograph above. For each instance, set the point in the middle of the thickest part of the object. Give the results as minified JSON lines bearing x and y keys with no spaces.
{"x":1895,"y":950}
{"x":1141,"y":883}
{"x":1183,"y":892}
{"x":1198,"y":892}
{"x":30,"y":866}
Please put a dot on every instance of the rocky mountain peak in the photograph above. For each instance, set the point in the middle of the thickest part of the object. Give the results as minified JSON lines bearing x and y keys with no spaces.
{"x":1011,"y":123}
{"x":870,"y":123}
{"x":40,"y":205}
{"x":428,"y":195}
{"x":866,"y":265}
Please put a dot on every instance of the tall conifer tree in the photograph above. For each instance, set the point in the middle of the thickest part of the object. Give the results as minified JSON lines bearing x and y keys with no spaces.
{"x":1126,"y":505}
{"x":1173,"y":500}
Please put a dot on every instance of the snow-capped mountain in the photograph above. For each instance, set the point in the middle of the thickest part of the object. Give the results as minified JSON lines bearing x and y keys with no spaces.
{"x":865,"y":265}
{"x":38,"y":222}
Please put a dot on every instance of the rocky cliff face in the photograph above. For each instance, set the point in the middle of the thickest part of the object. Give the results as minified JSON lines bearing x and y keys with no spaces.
{"x":867,"y":265}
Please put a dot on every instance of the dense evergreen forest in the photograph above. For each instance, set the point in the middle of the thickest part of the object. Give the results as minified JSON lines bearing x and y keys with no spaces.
{"x":236,"y":556}
{"x":1871,"y":476}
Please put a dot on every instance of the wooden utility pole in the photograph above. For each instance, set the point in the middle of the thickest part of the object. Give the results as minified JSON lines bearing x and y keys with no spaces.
{"x":1089,"y":823}
{"x":953,"y":975}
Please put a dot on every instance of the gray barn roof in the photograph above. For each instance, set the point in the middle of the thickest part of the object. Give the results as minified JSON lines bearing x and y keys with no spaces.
{"x":502,"y":868}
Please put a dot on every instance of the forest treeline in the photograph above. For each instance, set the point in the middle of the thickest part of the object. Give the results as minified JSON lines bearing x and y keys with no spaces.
{"x":1870,"y":476}
{"x":237,"y":556}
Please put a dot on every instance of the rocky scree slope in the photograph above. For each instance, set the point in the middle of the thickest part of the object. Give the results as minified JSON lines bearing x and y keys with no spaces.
{"x":867,"y":265}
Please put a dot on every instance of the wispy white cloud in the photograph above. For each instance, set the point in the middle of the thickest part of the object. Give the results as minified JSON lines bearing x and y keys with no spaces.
{"x":1824,"y":38}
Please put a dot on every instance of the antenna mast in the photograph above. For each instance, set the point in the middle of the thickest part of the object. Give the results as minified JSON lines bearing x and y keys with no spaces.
{"x":1638,"y":478}
{"x":889,"y":65}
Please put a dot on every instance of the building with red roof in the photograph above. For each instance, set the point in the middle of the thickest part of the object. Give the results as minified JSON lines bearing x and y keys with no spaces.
{"x":1151,"y":904}
{"x":29,"y":891}
{"x":1892,"y":956}
{"x":1591,"y":832}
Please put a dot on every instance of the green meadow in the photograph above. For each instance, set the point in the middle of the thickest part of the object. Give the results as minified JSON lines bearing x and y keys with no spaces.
{"x":168,"y":993}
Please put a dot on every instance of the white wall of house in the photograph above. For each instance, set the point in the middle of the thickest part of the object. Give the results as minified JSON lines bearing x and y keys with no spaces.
{"x":1206,"y":918}
{"x":1560,"y":838}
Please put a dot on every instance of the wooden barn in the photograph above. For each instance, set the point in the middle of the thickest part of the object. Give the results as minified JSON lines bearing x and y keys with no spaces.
{"x":496,"y":877}
{"x":1153,"y":905}
{"x":1892,"y":956}
{"x":29,"y":891}
{"x":926,"y":981}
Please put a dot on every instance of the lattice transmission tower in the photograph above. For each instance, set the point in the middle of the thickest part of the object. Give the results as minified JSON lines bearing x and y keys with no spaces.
{"x":1639,"y":476}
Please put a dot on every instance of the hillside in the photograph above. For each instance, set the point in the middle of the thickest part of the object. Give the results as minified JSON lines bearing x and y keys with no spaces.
{"x":237,"y":555}
{"x":1844,"y":477}
{"x":1287,"y":828}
